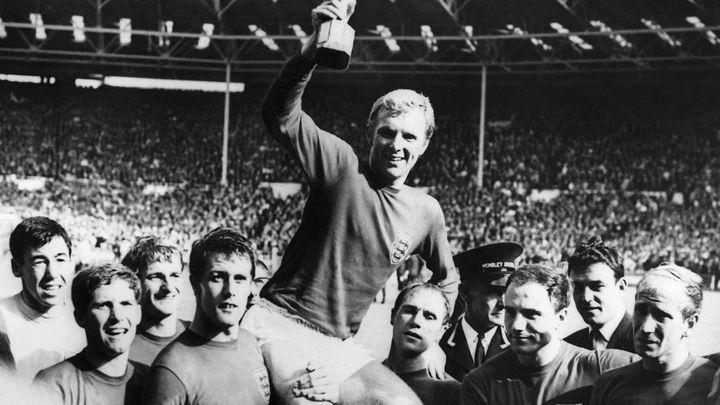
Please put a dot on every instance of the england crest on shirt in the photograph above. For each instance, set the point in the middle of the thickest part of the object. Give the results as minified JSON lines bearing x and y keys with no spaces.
{"x":263,"y":382}
{"x":400,"y":248}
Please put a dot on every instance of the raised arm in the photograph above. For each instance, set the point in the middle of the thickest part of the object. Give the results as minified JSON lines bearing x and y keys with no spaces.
{"x":282,"y":108}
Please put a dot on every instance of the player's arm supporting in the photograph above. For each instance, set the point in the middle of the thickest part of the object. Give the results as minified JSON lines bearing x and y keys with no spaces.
{"x":437,"y":254}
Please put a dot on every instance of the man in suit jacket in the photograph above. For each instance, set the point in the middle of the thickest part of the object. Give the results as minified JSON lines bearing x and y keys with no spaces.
{"x":597,"y":275}
{"x":478,"y":334}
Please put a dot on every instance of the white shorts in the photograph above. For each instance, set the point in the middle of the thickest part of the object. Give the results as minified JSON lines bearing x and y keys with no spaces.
{"x":289,"y":342}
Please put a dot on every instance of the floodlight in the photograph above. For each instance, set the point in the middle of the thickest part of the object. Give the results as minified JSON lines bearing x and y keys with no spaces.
{"x":300,"y":33}
{"x":260,"y":33}
{"x":430,"y":41}
{"x":469,"y":32}
{"x":539,"y":43}
{"x":37,"y":21}
{"x":695,"y":21}
{"x":78,"y":24}
{"x":166,"y":27}
{"x":674,"y":42}
{"x":619,"y":39}
{"x":125,"y":31}
{"x":573,"y":38}
{"x":390,"y":42}
{"x":204,"y":40}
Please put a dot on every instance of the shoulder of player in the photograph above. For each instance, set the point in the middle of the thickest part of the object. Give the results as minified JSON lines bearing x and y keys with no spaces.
{"x":423,"y":201}
{"x":57,"y":372}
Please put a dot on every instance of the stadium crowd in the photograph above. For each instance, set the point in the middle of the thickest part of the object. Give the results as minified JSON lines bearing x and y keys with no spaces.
{"x":100,"y":147}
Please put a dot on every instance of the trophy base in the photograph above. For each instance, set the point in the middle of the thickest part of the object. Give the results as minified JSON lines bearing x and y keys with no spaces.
{"x":334,"y":46}
{"x":332,"y":58}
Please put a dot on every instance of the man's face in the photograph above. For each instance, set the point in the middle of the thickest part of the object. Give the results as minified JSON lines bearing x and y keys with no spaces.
{"x":111,"y":318}
{"x":597,"y":295}
{"x":45,"y":272}
{"x":418,"y":321}
{"x":162,"y":286}
{"x":484,"y":304}
{"x":657,"y":318}
{"x":397,"y":143}
{"x":530,"y":319}
{"x":224,"y":289}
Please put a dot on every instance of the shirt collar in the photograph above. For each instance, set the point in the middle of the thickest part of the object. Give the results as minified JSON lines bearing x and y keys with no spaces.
{"x":609,"y":328}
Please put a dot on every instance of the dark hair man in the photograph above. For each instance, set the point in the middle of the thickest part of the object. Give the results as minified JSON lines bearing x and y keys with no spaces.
{"x":419,"y":317}
{"x":106,"y":300}
{"x":37,"y":328}
{"x":214,"y":361}
{"x":540,"y":368}
{"x":479,"y":334}
{"x":667,"y":308}
{"x":598,"y":278}
{"x":159,"y":266}
{"x":359,"y":223}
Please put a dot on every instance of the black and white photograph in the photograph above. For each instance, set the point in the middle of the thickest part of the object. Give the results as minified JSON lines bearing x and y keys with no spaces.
{"x":381,"y":202}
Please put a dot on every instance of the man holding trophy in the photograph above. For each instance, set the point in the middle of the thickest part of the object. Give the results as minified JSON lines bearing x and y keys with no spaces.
{"x":360,"y":222}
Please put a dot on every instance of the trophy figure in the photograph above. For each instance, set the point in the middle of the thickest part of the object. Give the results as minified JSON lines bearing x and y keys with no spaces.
{"x":334,"y":43}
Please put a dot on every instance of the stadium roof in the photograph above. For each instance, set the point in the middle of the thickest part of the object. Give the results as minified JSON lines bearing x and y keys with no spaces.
{"x":431,"y":36}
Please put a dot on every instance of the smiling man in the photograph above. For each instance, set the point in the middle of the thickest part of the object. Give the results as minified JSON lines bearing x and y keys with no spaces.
{"x":106,"y":300}
{"x":667,"y":308}
{"x":598,"y":278}
{"x":418,"y":318}
{"x":159,"y":266}
{"x":540,"y":368}
{"x":359,"y":223}
{"x":37,"y":328}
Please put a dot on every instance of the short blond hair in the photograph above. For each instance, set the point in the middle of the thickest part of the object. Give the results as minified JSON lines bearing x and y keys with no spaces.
{"x":401,"y":101}
{"x":691,"y":282}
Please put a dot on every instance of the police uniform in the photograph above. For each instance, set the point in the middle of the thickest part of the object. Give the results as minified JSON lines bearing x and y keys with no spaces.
{"x":493,"y":264}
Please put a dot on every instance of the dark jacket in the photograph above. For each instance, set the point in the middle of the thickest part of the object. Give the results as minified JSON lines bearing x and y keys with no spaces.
{"x":459,"y":360}
{"x":621,"y":339}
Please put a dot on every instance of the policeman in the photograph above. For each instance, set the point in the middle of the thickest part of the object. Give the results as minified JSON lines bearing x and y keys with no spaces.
{"x":479,"y":333}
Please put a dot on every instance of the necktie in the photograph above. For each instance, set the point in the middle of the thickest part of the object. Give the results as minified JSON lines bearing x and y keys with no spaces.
{"x":479,"y":351}
{"x":598,"y":340}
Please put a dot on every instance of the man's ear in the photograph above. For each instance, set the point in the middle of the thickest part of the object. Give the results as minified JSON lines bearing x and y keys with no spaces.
{"x":16,"y":268}
{"x":80,"y":318}
{"x":621,"y":284}
{"x":562,"y":314}
{"x":692,"y":321}
{"x":424,"y":148}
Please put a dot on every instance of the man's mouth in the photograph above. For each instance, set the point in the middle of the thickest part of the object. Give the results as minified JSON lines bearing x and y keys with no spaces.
{"x":116,"y":331}
{"x":227,"y":306}
{"x":395,"y":158}
{"x":413,"y":335}
{"x":51,"y":287}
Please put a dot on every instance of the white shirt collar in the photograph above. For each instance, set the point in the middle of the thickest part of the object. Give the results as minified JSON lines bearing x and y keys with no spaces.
{"x":609,"y":328}
{"x":471,"y":336}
